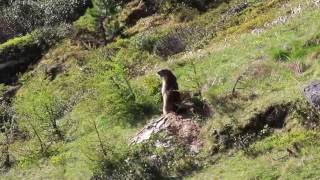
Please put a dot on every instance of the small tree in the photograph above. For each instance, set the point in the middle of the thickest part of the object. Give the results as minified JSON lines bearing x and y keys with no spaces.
{"x":39,"y":116}
{"x":120,"y":94}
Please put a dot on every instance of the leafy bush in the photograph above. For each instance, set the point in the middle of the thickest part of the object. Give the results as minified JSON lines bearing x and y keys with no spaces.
{"x":170,"y":45}
{"x":171,"y":5}
{"x":185,"y":14}
{"x":149,"y":94}
{"x":39,"y":116}
{"x":127,"y":103}
{"x":100,"y":11}
{"x":40,"y":39}
{"x":122,"y":97}
{"x":181,"y":39}
{"x":135,"y":60}
{"x":25,"y":16}
{"x":146,"y":161}
{"x":147,"y":40}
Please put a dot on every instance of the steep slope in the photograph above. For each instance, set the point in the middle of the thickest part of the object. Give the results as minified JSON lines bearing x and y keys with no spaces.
{"x":79,"y":106}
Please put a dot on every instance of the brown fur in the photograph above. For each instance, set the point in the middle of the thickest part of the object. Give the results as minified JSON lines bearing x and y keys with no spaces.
{"x":170,"y":91}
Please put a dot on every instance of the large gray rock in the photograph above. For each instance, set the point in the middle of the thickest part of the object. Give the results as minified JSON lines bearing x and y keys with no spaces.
{"x":312,"y":93}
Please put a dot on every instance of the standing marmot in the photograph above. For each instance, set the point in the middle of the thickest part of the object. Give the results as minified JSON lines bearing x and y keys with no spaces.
{"x":170,"y":91}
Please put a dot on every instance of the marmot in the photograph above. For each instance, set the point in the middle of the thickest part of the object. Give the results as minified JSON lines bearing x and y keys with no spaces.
{"x":170,"y":91}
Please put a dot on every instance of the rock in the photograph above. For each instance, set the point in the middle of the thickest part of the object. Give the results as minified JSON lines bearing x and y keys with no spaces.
{"x":53,"y":71}
{"x":238,"y":8}
{"x":312,"y":93}
{"x":257,"y":31}
{"x":278,"y":21}
{"x":184,"y":129}
{"x":141,"y":9}
{"x":284,"y":19}
{"x":199,"y":4}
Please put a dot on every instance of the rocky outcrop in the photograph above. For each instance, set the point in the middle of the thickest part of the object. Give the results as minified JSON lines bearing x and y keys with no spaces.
{"x":312,"y":93}
{"x":140,"y":9}
{"x":17,"y":55}
{"x":16,"y":60}
{"x":183,"y":129}
{"x":238,"y":8}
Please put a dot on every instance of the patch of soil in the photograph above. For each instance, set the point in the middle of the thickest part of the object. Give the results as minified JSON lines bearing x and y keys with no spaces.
{"x":274,"y":117}
{"x":297,"y":68}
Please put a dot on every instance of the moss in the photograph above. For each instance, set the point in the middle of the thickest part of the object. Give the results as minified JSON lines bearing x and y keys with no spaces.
{"x":17,"y":42}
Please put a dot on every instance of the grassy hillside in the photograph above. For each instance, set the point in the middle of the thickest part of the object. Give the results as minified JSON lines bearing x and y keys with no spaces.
{"x":78,"y":107}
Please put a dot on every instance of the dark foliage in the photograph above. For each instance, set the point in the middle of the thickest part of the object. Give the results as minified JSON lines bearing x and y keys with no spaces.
{"x":21,"y":17}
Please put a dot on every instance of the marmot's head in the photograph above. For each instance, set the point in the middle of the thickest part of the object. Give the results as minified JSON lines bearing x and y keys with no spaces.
{"x":166,"y":73}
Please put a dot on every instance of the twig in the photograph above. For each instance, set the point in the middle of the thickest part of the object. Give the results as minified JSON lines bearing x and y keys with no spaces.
{"x":235,"y":84}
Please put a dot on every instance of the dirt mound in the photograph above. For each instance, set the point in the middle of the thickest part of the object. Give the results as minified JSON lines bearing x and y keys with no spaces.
{"x":262,"y":124}
{"x":184,"y":129}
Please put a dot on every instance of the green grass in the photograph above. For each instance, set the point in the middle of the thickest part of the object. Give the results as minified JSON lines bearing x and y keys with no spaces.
{"x":273,"y":162}
{"x":120,"y":109}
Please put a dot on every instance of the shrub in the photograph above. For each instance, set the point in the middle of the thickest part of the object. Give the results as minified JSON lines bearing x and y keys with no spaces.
{"x":170,"y":45}
{"x":25,"y":16}
{"x":39,"y":115}
{"x":181,"y":39}
{"x":146,"y":161}
{"x":171,"y":5}
{"x":147,"y":40}
{"x":149,"y":96}
{"x":40,"y":39}
{"x":185,"y":14}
